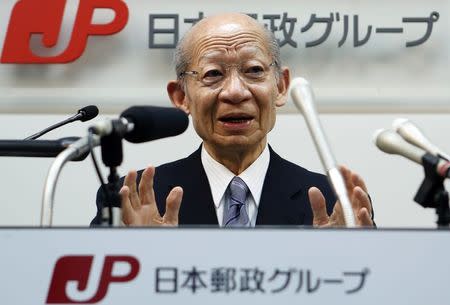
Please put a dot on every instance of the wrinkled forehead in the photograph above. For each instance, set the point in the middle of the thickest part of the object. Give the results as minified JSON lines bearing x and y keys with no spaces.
{"x":228,"y":42}
{"x":232,"y":54}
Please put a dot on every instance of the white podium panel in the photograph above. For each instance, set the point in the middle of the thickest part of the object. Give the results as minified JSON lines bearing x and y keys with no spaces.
{"x":217,"y":266}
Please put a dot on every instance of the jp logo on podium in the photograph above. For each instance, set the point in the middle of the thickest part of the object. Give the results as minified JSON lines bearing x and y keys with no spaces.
{"x":72,"y":274}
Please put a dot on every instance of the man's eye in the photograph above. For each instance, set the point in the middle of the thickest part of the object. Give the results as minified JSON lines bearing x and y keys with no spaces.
{"x":212,"y":74}
{"x":255,"y":71}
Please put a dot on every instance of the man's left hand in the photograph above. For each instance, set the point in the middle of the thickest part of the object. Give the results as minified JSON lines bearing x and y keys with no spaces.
{"x":357,"y":193}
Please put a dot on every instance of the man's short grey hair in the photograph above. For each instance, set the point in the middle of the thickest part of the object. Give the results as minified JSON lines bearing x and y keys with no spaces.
{"x":182,"y":55}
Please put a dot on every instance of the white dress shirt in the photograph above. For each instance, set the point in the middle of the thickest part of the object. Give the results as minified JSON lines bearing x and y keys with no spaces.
{"x":219,"y":177}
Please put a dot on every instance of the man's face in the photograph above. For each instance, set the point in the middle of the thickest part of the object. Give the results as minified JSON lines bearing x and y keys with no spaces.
{"x":234,"y":90}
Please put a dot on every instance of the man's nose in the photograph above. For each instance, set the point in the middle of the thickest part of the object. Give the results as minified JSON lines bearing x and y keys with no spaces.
{"x":234,"y":89}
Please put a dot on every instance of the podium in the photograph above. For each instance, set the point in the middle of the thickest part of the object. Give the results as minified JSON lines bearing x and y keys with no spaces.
{"x":222,"y":266}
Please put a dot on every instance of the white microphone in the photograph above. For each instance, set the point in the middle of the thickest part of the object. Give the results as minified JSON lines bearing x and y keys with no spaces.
{"x":303,"y":98}
{"x":390,"y":142}
{"x":412,"y":134}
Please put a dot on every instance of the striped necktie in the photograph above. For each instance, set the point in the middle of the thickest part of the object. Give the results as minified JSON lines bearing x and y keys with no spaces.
{"x":236,"y":213}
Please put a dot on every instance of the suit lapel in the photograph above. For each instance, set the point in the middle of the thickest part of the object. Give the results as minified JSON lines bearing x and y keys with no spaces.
{"x":279,"y":199}
{"x":197,"y":206}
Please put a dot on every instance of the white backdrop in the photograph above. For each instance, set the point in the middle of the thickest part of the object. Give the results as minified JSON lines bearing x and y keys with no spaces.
{"x":359,"y":89}
{"x":120,"y":70}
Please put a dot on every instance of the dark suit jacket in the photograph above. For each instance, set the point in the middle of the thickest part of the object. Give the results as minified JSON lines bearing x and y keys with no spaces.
{"x":284,"y":198}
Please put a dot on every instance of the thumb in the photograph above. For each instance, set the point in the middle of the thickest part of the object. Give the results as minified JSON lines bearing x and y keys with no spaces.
{"x":173,"y":203}
{"x":318,"y":206}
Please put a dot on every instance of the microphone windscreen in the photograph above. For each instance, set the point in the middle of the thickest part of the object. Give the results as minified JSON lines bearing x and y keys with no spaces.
{"x":88,"y":113}
{"x":152,"y":123}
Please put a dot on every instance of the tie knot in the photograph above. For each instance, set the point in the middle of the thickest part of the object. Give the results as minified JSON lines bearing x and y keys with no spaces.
{"x":238,"y":190}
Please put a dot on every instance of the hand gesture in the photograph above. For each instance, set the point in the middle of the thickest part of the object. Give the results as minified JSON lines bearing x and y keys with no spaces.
{"x":357,"y":192}
{"x":140,"y":209}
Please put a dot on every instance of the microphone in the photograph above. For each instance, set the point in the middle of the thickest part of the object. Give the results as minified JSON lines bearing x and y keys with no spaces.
{"x":140,"y":124}
{"x":38,"y":148}
{"x":412,"y":134}
{"x":390,"y":142}
{"x":303,"y":98}
{"x":84,"y":114}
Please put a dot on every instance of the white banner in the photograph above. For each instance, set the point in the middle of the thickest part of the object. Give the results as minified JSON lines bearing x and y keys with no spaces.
{"x":359,"y":55}
{"x":217,"y":266}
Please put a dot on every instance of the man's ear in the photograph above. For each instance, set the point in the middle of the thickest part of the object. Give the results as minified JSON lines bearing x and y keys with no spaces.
{"x":283,"y":86}
{"x":177,"y":95}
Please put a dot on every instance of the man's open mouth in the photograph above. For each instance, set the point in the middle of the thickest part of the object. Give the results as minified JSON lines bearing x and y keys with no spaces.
{"x":236,"y":119}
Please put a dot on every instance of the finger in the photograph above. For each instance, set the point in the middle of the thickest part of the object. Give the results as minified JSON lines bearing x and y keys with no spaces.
{"x":337,"y":218}
{"x":347,"y":176}
{"x":130,"y":182}
{"x":318,"y":206}
{"x":358,"y":181}
{"x":146,"y":192}
{"x":146,"y":185}
{"x":364,"y":218}
{"x":362,"y":199}
{"x":173,"y":203}
{"x":127,"y":209}
{"x":363,"y":209}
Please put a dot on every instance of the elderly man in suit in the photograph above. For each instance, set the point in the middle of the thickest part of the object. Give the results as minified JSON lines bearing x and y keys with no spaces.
{"x":230,"y":80}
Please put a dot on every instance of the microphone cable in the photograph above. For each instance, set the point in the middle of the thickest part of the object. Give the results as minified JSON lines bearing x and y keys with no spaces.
{"x":100,"y":176}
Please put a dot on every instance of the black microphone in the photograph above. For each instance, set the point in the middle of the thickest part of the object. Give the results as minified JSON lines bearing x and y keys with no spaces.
{"x":140,"y":124}
{"x":152,"y":123}
{"x":84,"y":114}
{"x":37,"y":148}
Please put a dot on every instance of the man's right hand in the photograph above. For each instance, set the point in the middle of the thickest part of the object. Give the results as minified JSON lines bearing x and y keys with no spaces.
{"x":140,"y":209}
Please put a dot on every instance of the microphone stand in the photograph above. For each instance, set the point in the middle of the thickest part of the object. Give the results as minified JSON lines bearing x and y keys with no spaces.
{"x":112,"y":156}
{"x":74,"y":151}
{"x":432,"y":193}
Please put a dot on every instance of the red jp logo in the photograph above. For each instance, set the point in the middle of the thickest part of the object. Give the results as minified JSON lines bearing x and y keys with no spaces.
{"x":44,"y":17}
{"x":71,"y":276}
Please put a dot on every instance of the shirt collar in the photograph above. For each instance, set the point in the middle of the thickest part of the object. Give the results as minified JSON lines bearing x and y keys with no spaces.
{"x":219,"y":176}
